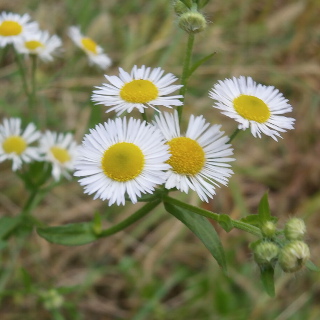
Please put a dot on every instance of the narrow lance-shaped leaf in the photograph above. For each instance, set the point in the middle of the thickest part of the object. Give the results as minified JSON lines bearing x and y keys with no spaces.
{"x":264,"y":210}
{"x":267,"y":278}
{"x":202,"y":228}
{"x":69,"y":235}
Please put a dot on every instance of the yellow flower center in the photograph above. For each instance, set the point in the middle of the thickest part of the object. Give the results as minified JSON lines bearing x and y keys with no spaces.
{"x":139,"y":91}
{"x":33,"y":44}
{"x":10,"y":28}
{"x":89,"y":45}
{"x":187,"y":156}
{"x":251,"y":108}
{"x":14,"y":144}
{"x":123,"y":161}
{"x":61,"y":154}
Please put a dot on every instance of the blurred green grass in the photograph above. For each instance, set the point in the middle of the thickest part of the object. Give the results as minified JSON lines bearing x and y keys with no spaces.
{"x":157,"y":270}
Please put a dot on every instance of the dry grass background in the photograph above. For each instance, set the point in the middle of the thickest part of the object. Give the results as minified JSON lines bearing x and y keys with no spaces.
{"x":157,"y":269}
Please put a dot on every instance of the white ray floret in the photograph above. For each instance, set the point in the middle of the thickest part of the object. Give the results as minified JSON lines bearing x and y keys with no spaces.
{"x":253,"y":105}
{"x":39,"y":43}
{"x":141,"y":88}
{"x":94,"y":52}
{"x":14,"y":26}
{"x":16,"y":145}
{"x":199,"y":159}
{"x":119,"y":158}
{"x":59,"y":149}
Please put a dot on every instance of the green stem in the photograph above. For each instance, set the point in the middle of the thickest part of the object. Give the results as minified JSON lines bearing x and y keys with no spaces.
{"x":186,"y":71}
{"x":130,"y":220}
{"x":215,"y":216}
{"x":235,"y":132}
{"x":22,"y":72}
{"x":32,"y":97}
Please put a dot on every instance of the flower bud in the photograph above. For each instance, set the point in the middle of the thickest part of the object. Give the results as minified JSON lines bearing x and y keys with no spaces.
{"x":268,"y":229}
{"x":293,"y":256}
{"x":179,"y":7}
{"x":52,"y":299}
{"x":192,"y":22}
{"x":295,"y":229}
{"x":266,"y":252}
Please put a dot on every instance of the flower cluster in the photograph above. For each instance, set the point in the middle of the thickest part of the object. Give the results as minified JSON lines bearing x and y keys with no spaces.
{"x":20,"y":147}
{"x":129,"y":157}
{"x":28,"y":39}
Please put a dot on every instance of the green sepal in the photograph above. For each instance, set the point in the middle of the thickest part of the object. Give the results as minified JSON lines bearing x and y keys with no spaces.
{"x":267,"y":278}
{"x":73,"y":234}
{"x":203,"y":229}
{"x":311,"y":266}
{"x":225,"y":222}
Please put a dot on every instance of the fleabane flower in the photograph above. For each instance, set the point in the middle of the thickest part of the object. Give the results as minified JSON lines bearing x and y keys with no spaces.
{"x":59,"y":149}
{"x":253,"y":105}
{"x":39,"y":43}
{"x":90,"y":47}
{"x":15,"y":144}
{"x":143,"y":87}
{"x":13,"y":27}
{"x":199,"y":159}
{"x":122,"y":157}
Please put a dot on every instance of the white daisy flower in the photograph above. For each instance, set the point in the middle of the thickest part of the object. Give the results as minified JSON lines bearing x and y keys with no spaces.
{"x":253,"y":105}
{"x":15,"y":144}
{"x":60,"y":150}
{"x":94,"y":52}
{"x":122,"y":157}
{"x":141,"y":89}
{"x":39,"y":43}
{"x":13,"y":27}
{"x":199,"y":158}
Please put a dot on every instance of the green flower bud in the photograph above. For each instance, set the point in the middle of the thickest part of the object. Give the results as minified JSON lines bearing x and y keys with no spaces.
{"x":268,"y":229}
{"x":52,"y":299}
{"x":295,"y":229}
{"x":192,"y":22}
{"x":293,"y":256}
{"x":266,"y":252}
{"x":179,"y":7}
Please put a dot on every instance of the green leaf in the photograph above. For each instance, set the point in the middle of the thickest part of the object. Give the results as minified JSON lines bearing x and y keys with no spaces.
{"x":252,"y":219}
{"x":203,"y":229}
{"x":311,"y":266}
{"x":267,"y":278}
{"x":197,"y":64}
{"x":225,"y":222}
{"x":264,"y":210}
{"x":74,"y":234}
{"x":8,"y":225}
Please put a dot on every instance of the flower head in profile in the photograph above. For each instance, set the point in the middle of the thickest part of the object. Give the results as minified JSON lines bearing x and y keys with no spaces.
{"x":199,"y":159}
{"x":122,"y":157}
{"x":143,"y":87}
{"x":253,"y":105}
{"x":15,"y":144}
{"x":59,"y":149}
{"x":13,"y":27}
{"x":39,"y":43}
{"x":90,"y":47}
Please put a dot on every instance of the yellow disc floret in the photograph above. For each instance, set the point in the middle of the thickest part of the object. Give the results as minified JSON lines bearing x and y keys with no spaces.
{"x":10,"y":28}
{"x":187,"y":156}
{"x":14,"y":144}
{"x":89,"y":45}
{"x":123,"y":161}
{"x":139,"y":91}
{"x":251,"y":108}
{"x":60,"y":154}
{"x":33,"y":45}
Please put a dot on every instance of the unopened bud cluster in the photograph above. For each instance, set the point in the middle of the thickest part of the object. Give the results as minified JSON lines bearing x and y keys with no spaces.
{"x":190,"y":19}
{"x":291,"y":253}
